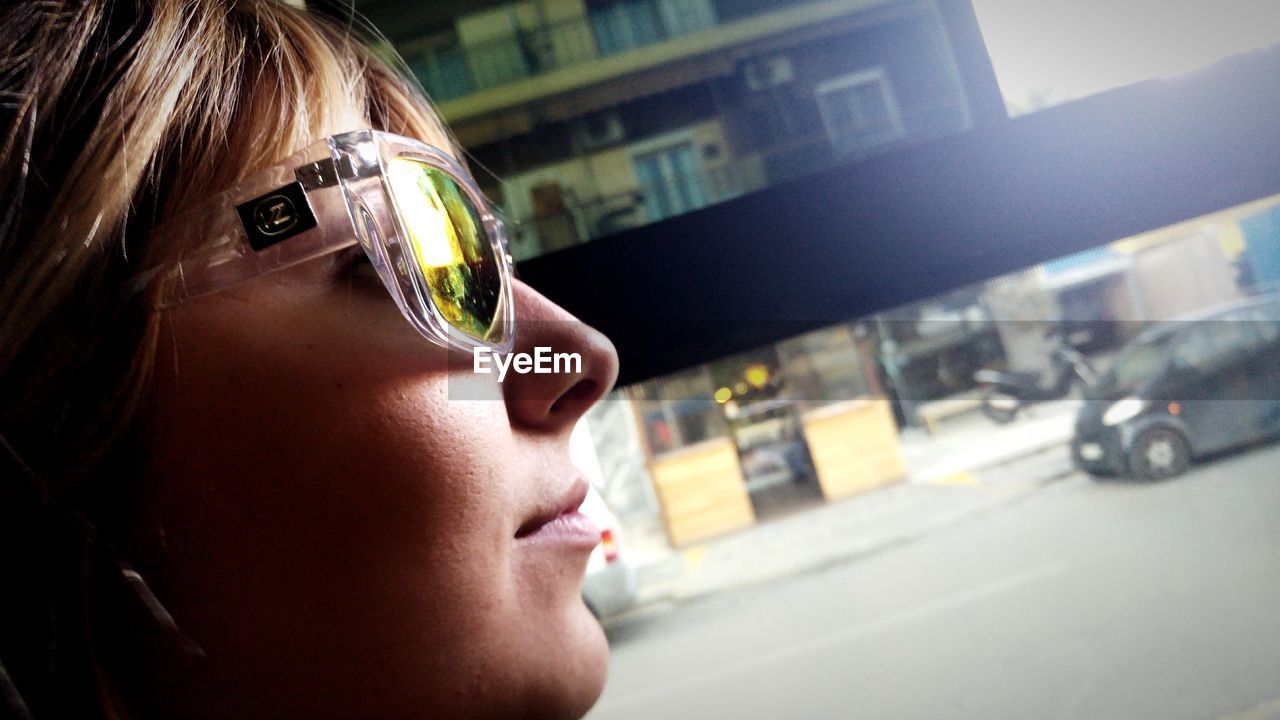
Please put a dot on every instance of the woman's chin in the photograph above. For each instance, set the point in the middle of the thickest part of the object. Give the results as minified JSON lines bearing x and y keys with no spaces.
{"x":580,"y":675}
{"x":599,"y":652}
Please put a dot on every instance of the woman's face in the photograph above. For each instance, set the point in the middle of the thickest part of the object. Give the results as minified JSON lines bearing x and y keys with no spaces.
{"x":349,"y":516}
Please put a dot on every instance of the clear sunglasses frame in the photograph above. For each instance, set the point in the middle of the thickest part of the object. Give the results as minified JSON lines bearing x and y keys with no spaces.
{"x":328,"y":197}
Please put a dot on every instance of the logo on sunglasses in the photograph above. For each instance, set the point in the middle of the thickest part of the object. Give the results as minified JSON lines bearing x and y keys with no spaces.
{"x":275,"y":215}
{"x":278,"y":215}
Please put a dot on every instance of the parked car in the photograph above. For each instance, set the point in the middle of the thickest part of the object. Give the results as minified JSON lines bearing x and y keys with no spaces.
{"x":1184,"y":389}
{"x":610,"y":584}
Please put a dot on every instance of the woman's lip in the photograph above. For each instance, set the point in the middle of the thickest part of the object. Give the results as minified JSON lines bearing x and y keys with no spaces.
{"x":568,"y":528}
{"x":570,"y":501}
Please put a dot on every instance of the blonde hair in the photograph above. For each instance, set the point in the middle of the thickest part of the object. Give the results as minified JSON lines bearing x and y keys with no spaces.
{"x":118,"y":114}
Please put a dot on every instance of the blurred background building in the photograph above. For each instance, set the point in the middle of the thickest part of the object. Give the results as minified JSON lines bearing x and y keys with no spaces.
{"x":601,"y":115}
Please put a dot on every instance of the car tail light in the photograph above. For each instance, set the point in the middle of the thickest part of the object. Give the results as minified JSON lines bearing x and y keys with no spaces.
{"x":610,"y":550}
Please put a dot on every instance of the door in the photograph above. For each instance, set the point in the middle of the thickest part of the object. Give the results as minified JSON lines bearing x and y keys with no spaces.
{"x":1214,"y":361}
{"x":1260,"y":368}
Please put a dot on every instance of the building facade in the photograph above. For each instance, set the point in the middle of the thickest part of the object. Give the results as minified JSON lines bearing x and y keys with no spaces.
{"x":586,"y":118}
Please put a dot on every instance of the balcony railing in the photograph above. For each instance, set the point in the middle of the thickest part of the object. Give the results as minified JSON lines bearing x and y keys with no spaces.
{"x":657,"y":197}
{"x":649,"y":202}
{"x":610,"y":29}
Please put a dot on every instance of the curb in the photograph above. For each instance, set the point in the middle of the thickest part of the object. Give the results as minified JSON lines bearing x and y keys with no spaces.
{"x":664,"y":601}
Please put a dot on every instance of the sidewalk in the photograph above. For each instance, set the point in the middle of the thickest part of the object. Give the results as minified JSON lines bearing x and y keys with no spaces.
{"x":970,"y":465}
{"x":971,"y":442}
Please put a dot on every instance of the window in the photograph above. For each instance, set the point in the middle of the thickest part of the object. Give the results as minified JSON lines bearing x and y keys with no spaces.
{"x":1141,"y":360}
{"x":1207,"y":344}
{"x":681,"y":17}
{"x":669,"y":181}
{"x":621,"y":25}
{"x":859,"y":112}
{"x":625,"y":25}
{"x":499,"y":62}
{"x":443,"y":73}
{"x":1268,"y":319}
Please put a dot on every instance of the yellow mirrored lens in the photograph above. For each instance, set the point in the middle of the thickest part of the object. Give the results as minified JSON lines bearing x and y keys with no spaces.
{"x":449,"y":244}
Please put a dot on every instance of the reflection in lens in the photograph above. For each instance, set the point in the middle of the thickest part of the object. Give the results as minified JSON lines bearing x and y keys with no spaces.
{"x":449,"y":244}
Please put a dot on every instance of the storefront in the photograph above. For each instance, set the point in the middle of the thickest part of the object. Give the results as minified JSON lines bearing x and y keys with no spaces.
{"x":768,"y":432}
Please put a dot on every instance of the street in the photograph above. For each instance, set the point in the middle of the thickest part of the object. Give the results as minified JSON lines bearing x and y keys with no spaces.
{"x":1080,"y":600}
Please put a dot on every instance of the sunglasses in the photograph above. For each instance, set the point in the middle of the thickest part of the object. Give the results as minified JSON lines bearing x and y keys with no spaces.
{"x":425,"y":227}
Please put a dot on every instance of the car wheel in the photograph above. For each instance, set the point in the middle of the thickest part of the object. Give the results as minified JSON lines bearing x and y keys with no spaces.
{"x":1159,"y":453}
{"x":997,"y":406}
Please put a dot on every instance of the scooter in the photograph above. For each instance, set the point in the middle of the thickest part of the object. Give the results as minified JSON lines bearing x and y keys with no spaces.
{"x":1005,"y":394}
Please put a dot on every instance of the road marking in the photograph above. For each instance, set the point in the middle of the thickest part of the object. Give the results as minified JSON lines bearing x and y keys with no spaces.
{"x":963,"y":478}
{"x":693,"y":558}
{"x":854,"y":632}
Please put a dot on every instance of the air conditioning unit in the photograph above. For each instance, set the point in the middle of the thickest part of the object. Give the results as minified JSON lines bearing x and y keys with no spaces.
{"x":766,"y":72}
{"x":598,"y":130}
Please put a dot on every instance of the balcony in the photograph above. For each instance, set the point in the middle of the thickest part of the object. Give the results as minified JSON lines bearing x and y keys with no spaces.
{"x":662,"y":190}
{"x":500,"y":64}
{"x":458,"y":70}
{"x":668,"y":182}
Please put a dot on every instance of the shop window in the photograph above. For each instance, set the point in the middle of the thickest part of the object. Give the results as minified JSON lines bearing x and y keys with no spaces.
{"x":677,"y":411}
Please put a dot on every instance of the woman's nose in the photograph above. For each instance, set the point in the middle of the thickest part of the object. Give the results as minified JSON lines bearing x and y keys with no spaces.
{"x":581,"y":365}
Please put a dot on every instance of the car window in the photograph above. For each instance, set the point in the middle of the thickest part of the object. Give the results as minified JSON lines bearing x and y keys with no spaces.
{"x":1141,"y":360}
{"x":1264,"y":321}
{"x":1213,"y":341}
